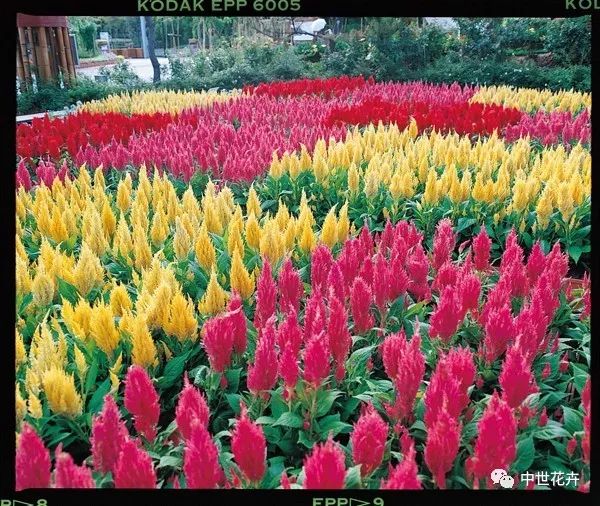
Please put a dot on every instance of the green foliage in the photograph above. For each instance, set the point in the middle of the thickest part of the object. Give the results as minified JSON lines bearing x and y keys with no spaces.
{"x":388,"y":49}
{"x":567,"y":37}
{"x":121,"y":74}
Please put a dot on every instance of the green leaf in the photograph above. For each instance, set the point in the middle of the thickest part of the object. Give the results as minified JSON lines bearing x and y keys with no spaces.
{"x":304,"y":440}
{"x":272,"y":434}
{"x":92,"y":374}
{"x":353,"y":477}
{"x":95,"y":404}
{"x":573,"y":420}
{"x":278,"y":405}
{"x":525,"y":455}
{"x":332,"y":424}
{"x":575,"y":252}
{"x":67,"y":290}
{"x":265,"y":420}
{"x":580,"y":376}
{"x":325,"y":400}
{"x":173,"y":371}
{"x":289,"y":419}
{"x":287,"y":446}
{"x":233,"y":379}
{"x":234,"y":402}
{"x":464,"y":223}
{"x":360,"y":357}
{"x":169,"y":461}
{"x":551,"y":430}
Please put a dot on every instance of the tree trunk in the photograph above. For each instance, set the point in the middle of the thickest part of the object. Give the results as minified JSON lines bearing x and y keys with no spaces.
{"x":151,"y":30}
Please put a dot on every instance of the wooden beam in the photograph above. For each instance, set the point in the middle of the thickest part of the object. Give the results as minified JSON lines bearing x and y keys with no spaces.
{"x":62,"y":55}
{"x":24,"y":56}
{"x":67,"y":41}
{"x":45,"y":71}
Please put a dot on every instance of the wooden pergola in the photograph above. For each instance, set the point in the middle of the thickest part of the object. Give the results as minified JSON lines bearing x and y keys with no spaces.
{"x":43,"y":50}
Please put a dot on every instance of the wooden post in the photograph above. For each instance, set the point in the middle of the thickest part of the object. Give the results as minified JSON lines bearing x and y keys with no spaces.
{"x":53,"y":46}
{"x":45,"y":71}
{"x":24,"y":56}
{"x":33,"y":55}
{"x":64,"y":66}
{"x":67,"y":41}
{"x":20,"y":70}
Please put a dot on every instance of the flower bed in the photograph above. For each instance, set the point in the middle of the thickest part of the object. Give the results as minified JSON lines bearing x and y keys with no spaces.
{"x":313,"y":284}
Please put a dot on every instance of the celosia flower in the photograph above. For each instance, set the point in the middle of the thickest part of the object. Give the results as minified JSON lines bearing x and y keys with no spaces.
{"x":325,"y":467}
{"x":444,"y":241}
{"x":365,"y":240}
{"x":218,"y":342}
{"x":200,"y":458}
{"x":536,"y":263}
{"x":360,"y":301}
{"x":22,"y":176}
{"x":320,"y":264}
{"x":516,"y":378}
{"x":266,"y":293}
{"x":398,"y":278}
{"x":235,"y":314}
{"x":571,"y":446}
{"x":249,"y":449}
{"x":469,"y":289}
{"x":285,"y":481}
{"x":404,"y":363}
{"x":141,"y":400}
{"x":587,"y":297}
{"x":316,"y":359}
{"x":32,"y":461}
{"x":290,"y":287}
{"x":405,"y":475}
{"x":339,"y":336}
{"x":288,"y":367}
{"x":336,"y":283}
{"x":586,"y":401}
{"x":289,"y":333}
{"x":481,"y":250}
{"x":134,"y":468}
{"x":496,"y":440}
{"x":191,"y":407}
{"x":418,"y":265}
{"x":446,"y":317}
{"x":314,"y":315}
{"x":69,"y":475}
{"x":367,"y":270}
{"x":368,"y":438}
{"x":441,"y":448}
{"x":499,"y":331}
{"x":262,"y":374}
{"x":108,"y":436}
{"x":516,"y":275}
{"x":381,"y":282}
{"x":61,"y":393}
{"x":446,"y":275}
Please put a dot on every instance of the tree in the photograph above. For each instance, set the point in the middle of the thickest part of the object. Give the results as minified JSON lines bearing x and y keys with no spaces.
{"x":151,"y":31}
